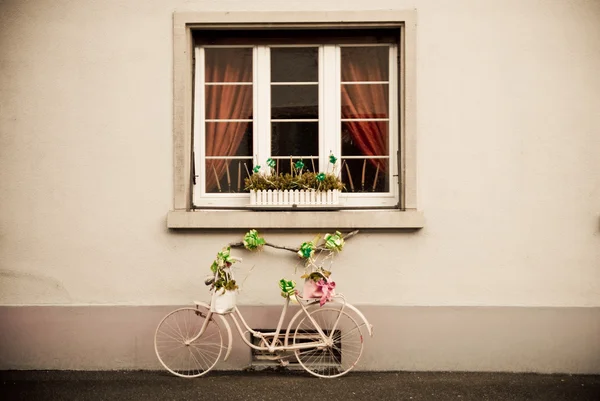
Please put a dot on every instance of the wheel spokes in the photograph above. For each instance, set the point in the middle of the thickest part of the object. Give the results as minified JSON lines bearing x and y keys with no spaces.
{"x":339,"y":357}
{"x":174,"y":349}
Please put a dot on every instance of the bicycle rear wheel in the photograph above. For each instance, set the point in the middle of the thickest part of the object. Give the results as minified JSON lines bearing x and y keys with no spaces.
{"x":336,"y":359}
{"x":174,"y":348}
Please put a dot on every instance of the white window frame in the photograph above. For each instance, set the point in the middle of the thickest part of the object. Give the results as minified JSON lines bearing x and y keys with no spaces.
{"x":183,"y":213}
{"x":329,"y":120}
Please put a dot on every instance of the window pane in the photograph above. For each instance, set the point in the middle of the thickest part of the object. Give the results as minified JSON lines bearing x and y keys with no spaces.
{"x":228,"y":102}
{"x":365,"y":101}
{"x":365,"y":138}
{"x":294,"y":101}
{"x":229,"y":139}
{"x":283,"y":165}
{"x":365,"y":63}
{"x":228,"y":64}
{"x":365,"y":175}
{"x":227,"y":175}
{"x":297,"y":64}
{"x":295,"y":139}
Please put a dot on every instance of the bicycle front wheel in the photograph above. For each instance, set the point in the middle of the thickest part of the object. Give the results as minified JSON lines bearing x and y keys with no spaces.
{"x":333,"y":360}
{"x":174,"y":348}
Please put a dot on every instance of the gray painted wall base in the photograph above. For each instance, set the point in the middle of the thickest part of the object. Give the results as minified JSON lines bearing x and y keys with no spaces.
{"x":514,"y":339}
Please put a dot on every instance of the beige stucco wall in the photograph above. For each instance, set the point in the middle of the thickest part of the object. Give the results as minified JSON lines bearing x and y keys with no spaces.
{"x":508,"y":159}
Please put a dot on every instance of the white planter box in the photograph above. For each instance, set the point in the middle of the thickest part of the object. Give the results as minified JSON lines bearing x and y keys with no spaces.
{"x":299,"y":198}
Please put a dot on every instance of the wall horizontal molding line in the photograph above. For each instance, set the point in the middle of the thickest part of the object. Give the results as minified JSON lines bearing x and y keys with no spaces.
{"x":413,"y":338}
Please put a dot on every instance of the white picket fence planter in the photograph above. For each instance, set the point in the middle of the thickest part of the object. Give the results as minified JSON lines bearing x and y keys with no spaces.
{"x":300,"y":198}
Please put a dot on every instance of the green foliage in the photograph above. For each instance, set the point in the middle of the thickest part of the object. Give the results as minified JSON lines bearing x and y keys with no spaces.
{"x":316,"y":276}
{"x":223,"y":260}
{"x":222,"y":279}
{"x":286,"y":181}
{"x":229,"y":285}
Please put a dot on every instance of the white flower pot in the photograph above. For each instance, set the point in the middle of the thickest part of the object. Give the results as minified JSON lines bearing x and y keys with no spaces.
{"x":296,"y":197}
{"x":223,"y":301}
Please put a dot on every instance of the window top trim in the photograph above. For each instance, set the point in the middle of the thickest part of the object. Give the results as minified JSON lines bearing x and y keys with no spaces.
{"x":300,"y":36}
{"x":303,"y":19}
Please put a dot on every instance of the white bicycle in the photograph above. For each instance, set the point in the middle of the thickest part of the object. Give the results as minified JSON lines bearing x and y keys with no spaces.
{"x":326,"y":339}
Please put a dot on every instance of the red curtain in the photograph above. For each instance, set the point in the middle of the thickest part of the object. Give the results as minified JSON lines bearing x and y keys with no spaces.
{"x":225,"y":102}
{"x":366,"y":101}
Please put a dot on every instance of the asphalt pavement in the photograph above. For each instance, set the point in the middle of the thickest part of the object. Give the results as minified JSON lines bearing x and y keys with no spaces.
{"x":285,"y":385}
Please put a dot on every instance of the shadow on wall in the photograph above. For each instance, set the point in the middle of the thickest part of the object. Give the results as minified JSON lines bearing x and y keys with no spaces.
{"x":14,"y":283}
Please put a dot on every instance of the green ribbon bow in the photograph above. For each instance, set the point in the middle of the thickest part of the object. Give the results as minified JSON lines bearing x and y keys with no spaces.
{"x":334,"y":242}
{"x":256,"y":169}
{"x":287,"y":287}
{"x":321,"y":177}
{"x":299,"y":165}
{"x":306,"y":250}
{"x":332,"y":159}
{"x":253,"y":241}
{"x":270,"y":162}
{"x":223,"y":260}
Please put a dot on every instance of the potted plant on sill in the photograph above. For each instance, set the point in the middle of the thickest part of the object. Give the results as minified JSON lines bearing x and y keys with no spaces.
{"x":300,"y":187}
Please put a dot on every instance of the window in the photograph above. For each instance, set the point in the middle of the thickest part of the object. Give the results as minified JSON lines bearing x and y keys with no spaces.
{"x":291,"y":86}
{"x":293,"y":96}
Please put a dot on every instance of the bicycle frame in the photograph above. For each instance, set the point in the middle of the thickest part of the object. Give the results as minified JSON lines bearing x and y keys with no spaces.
{"x":271,"y":346}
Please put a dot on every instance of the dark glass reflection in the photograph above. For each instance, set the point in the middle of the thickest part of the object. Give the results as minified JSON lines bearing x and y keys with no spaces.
{"x":295,"y":64}
{"x":295,"y":139}
{"x":294,"y":101}
{"x":374,"y":179}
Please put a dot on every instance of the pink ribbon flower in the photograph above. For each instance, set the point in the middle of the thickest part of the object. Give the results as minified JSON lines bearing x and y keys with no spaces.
{"x":328,"y":290}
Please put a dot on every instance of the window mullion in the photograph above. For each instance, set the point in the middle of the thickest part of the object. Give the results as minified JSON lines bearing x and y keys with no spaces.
{"x":262,"y":114}
{"x":329,"y":110}
{"x":255,"y":105}
{"x":322,"y":108}
{"x":199,"y":126}
{"x":337,"y":129}
{"x":393,"y":142}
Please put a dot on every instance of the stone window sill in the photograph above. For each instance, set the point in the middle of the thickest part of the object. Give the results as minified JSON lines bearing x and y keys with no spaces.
{"x":342,"y":219}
